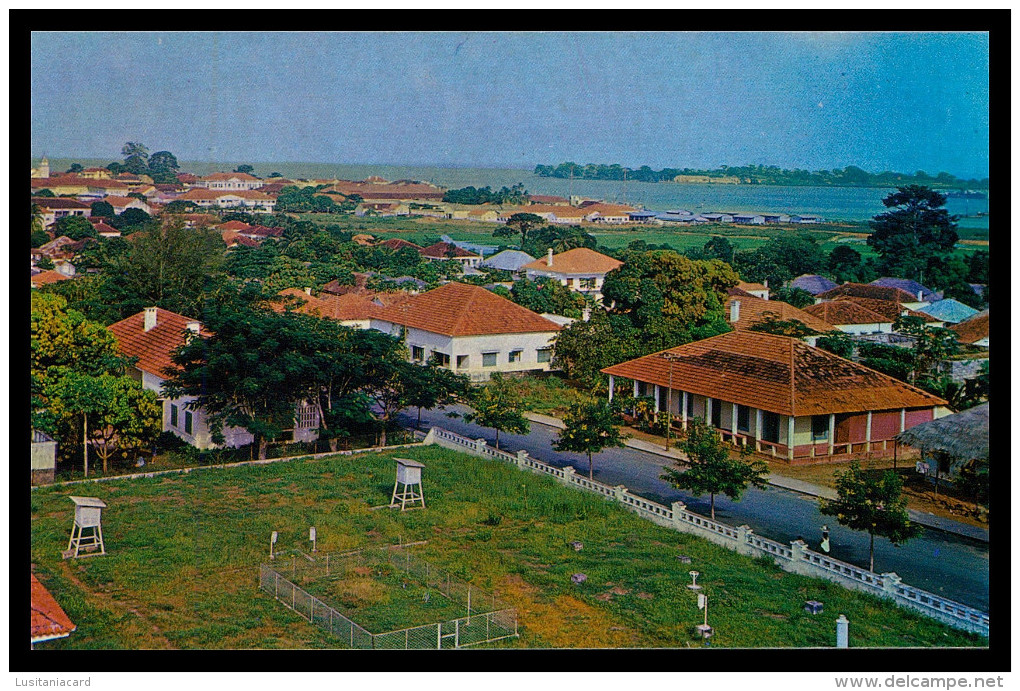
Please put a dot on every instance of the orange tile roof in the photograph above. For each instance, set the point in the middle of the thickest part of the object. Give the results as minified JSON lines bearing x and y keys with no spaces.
{"x":579,"y":260}
{"x":48,"y":618}
{"x":744,"y":285}
{"x":846,"y":312}
{"x":866,"y":290}
{"x":754,"y":310}
{"x":152,"y":347}
{"x":231,"y":176}
{"x":775,"y":373}
{"x":972,"y":330}
{"x":609,"y":209}
{"x":887,"y":308}
{"x":234,"y":225}
{"x":398,"y":243}
{"x":116,"y":201}
{"x":445,"y":250}
{"x":459,"y":309}
{"x":47,"y":277}
{"x":345,"y":307}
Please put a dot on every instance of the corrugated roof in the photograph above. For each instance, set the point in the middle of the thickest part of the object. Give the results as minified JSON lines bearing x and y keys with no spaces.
{"x":813,"y":283}
{"x":48,"y":618}
{"x":909,"y":286}
{"x":579,"y":260}
{"x":458,"y":309}
{"x":152,"y":347}
{"x":508,"y":260}
{"x":775,"y":373}
{"x":949,"y":310}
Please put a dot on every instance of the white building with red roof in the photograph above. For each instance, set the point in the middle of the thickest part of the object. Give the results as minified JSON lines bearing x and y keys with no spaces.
{"x":252,"y":200}
{"x":151,"y":336}
{"x":229,"y":181}
{"x":470,"y":330}
{"x":580,"y":269}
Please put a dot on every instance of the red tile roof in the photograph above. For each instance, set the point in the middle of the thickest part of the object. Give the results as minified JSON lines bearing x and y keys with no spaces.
{"x":230,"y":176}
{"x":775,"y":373}
{"x":754,"y":310}
{"x":105,"y":228}
{"x":547,"y":199}
{"x":839,"y":312}
{"x":445,"y":250}
{"x":459,"y":309}
{"x":152,"y":347}
{"x":234,"y":225}
{"x":397,"y":244}
{"x":48,"y":619}
{"x":47,"y":277}
{"x":263,"y":231}
{"x":866,"y":290}
{"x":579,"y":260}
{"x":972,"y":330}
{"x":887,"y":308}
{"x":340,"y":307}
{"x":122,"y":201}
{"x":59,"y":203}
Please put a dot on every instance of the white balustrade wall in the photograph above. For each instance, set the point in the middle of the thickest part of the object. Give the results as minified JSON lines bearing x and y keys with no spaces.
{"x":795,"y":557}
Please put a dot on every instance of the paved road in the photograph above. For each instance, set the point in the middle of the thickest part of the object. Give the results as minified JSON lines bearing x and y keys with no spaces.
{"x":949,"y":565}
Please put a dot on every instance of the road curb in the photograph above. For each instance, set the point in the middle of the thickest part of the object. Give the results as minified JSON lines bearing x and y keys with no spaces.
{"x":929,"y":521}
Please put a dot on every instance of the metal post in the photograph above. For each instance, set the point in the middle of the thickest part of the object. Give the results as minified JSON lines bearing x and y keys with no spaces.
{"x":439,"y":636}
{"x":469,"y":606}
{"x":456,"y":633}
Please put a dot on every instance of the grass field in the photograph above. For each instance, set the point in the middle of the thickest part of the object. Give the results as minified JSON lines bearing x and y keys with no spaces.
{"x":828,"y":235}
{"x":183,"y":555}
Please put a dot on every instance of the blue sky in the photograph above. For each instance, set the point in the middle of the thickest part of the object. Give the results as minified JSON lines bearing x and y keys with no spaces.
{"x":881,"y":101}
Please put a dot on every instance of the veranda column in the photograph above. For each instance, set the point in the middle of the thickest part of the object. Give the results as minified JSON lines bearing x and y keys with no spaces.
{"x":757,"y":428}
{"x":708,"y":410}
{"x":656,"y":399}
{"x":867,"y":435}
{"x":612,"y":384}
{"x":733,"y":422}
{"x":683,"y":410}
{"x":789,"y":437}
{"x":832,"y":433}
{"x":903,"y":419}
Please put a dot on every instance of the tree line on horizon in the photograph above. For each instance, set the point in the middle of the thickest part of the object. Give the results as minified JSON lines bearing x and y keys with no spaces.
{"x":850,"y":176}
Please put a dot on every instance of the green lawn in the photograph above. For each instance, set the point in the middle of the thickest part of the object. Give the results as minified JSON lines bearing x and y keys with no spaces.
{"x":183,"y":555}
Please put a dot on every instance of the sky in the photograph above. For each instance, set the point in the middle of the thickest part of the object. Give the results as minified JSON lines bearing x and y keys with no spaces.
{"x":815,"y":100}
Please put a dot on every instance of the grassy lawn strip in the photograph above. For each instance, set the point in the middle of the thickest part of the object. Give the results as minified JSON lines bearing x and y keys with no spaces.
{"x":183,"y":554}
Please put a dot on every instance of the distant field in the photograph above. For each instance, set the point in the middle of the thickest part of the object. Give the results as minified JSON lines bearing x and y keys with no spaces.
{"x":828,"y":235}
{"x":184,"y":551}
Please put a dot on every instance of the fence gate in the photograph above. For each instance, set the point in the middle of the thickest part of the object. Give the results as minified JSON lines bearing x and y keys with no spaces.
{"x":449,"y":635}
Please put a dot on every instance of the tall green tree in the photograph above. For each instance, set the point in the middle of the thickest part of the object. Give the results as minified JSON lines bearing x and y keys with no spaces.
{"x":710,"y":467}
{"x":932,"y":345}
{"x":585,"y":348}
{"x":916,"y":229}
{"x":872,"y":502}
{"x":430,"y":386}
{"x":163,"y":168}
{"x":519,"y":224}
{"x":135,"y":149}
{"x":499,"y":405}
{"x":590,"y":427}
{"x":75,"y":227}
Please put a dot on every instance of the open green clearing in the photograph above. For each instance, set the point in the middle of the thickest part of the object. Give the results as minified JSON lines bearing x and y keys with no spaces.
{"x":183,"y":555}
{"x":427,"y":230}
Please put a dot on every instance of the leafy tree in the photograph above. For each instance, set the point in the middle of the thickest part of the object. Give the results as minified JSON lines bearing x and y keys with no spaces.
{"x":781,"y":259}
{"x":874,"y":503}
{"x":670,"y":298}
{"x":717,"y":247}
{"x":44,"y":263}
{"x":394,"y":382}
{"x":547,"y":295}
{"x":180,"y":206}
{"x":590,"y":427}
{"x":163,"y":168}
{"x":499,"y":405}
{"x":275,"y":174}
{"x":892,"y":360}
{"x":518,"y":224}
{"x":75,"y":227}
{"x":45,"y":193}
{"x":136,"y":165}
{"x":557,"y":238}
{"x":37,"y":218}
{"x":972,"y":480}
{"x":75,"y":169}
{"x":250,"y":371}
{"x":115,"y":167}
{"x":846,"y":264}
{"x":135,"y":149}
{"x":783,"y":327}
{"x":838,"y":343}
{"x":245,"y":168}
{"x":916,"y":229}
{"x":710,"y":467}
{"x":103,"y":208}
{"x":431,"y":386}
{"x":932,"y":345}
{"x":584,"y":348}
{"x":798,"y":297}
{"x":130,"y":218}
{"x":168,"y":265}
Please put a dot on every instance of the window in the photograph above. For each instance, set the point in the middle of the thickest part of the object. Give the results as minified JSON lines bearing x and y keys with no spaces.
{"x":462,"y":361}
{"x":187,"y":421}
{"x":743,"y":418}
{"x":716,"y":413}
{"x":515,"y":355}
{"x":690,"y":405}
{"x":442,"y":359}
{"x":587,"y":283}
{"x":819,"y":427}
{"x":544,"y":354}
{"x":173,"y":415}
{"x":417,"y":353}
{"x":642,"y":389}
{"x":489,"y":359}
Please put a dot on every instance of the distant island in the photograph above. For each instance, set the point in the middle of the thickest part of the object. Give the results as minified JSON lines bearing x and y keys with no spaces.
{"x":851,"y":176}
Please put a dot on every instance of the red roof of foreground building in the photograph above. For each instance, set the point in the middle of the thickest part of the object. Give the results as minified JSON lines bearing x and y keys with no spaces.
{"x":459,"y":309}
{"x":780,"y":374}
{"x":49,"y":620}
{"x":152,"y":347}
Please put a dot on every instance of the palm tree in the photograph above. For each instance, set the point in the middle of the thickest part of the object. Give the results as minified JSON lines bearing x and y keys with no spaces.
{"x":37,"y":217}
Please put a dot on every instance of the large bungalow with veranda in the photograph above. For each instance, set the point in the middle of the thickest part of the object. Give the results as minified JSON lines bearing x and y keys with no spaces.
{"x":780,"y":396}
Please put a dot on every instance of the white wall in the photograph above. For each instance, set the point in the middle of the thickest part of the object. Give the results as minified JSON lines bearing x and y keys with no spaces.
{"x":883,"y":327}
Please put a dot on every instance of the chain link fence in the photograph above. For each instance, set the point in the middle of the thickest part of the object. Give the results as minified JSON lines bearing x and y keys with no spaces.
{"x":472,"y":616}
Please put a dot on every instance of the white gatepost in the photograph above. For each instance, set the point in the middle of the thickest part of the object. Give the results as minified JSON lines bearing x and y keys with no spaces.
{"x":480,"y":445}
{"x":568,"y":475}
{"x":619,"y":492}
{"x":889,"y":582}
{"x":521,"y":459}
{"x":678,"y":510}
{"x":743,"y":543}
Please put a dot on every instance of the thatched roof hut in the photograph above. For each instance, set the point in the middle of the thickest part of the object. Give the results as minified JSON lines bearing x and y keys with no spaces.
{"x":962,"y":436}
